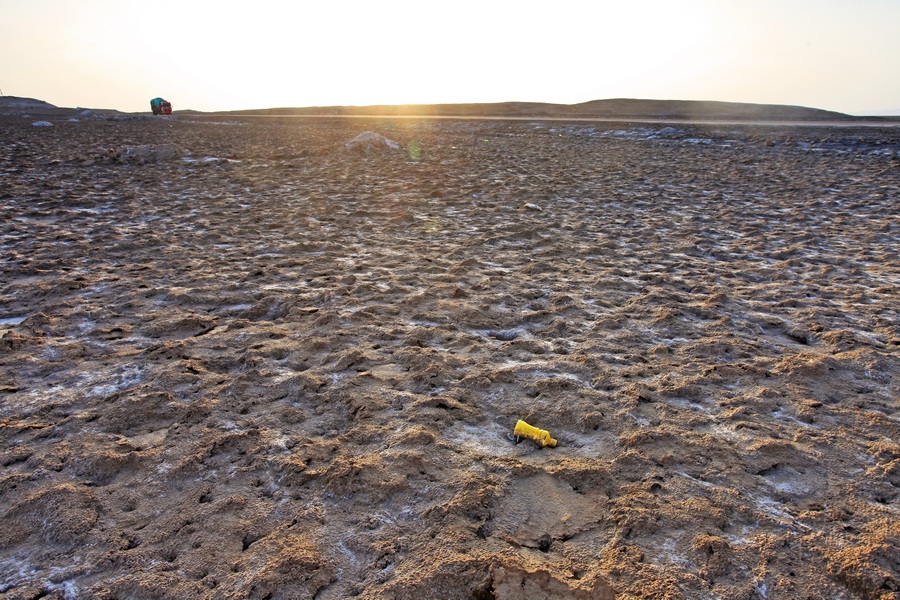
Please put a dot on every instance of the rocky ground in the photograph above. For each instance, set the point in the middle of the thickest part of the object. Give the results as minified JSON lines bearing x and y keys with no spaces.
{"x":273,"y":368}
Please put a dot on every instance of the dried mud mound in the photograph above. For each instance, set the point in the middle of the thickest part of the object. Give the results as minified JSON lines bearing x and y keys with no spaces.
{"x":270,"y":368}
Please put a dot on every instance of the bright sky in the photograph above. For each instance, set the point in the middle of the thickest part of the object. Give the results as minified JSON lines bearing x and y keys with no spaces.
{"x":839,"y":55}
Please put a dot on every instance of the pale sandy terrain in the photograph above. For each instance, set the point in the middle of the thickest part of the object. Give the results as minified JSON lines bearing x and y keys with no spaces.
{"x":276,"y":369}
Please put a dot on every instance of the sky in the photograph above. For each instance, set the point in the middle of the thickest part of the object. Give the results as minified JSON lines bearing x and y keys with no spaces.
{"x":841,"y":55}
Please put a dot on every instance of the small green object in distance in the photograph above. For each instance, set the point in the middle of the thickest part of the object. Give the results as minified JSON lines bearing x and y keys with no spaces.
{"x":414,"y":150}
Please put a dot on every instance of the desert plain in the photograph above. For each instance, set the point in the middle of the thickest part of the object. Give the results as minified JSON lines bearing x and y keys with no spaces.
{"x":267,"y":366}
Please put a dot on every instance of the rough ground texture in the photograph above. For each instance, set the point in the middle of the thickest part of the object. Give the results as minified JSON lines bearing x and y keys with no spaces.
{"x":271,"y":368}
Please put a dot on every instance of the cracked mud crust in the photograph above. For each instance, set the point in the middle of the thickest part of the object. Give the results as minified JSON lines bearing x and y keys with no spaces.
{"x":275,"y":369}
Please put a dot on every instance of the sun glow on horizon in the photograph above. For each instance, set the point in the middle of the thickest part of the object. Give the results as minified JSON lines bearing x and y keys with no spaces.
{"x":228,"y":55}
{"x":407,"y":55}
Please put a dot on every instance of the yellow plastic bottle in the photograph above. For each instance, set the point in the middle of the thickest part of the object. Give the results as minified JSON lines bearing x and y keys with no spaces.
{"x":541,"y":436}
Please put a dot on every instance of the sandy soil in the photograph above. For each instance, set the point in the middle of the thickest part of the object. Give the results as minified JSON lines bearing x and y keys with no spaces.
{"x":276,"y":369}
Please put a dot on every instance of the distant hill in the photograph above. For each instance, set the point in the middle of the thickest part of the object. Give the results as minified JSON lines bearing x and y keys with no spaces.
{"x":15,"y":103}
{"x":617,"y":109}
{"x":18,"y":106}
{"x":620,"y":108}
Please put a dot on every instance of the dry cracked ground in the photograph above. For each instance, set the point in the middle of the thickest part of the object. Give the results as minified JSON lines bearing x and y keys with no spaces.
{"x":273,"y":368}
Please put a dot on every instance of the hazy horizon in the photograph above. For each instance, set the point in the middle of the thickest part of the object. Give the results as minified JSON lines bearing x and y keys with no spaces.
{"x":833,"y":55}
{"x":352,"y":106}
